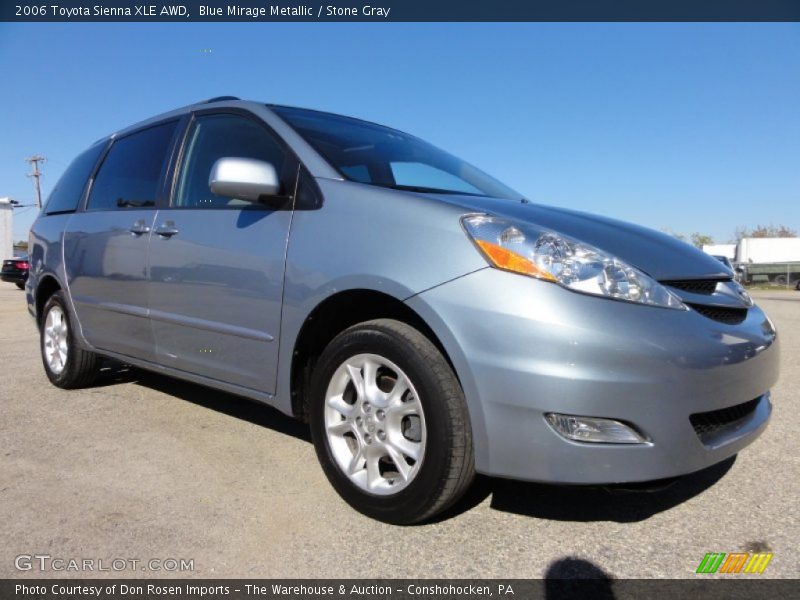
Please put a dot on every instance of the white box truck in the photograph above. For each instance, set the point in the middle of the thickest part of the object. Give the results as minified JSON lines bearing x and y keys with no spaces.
{"x":769,"y":260}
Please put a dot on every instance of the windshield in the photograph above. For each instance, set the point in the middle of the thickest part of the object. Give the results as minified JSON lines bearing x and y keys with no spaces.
{"x":377,"y":155}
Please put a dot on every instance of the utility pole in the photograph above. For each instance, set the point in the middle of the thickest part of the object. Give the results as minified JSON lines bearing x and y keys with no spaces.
{"x":36,"y":174}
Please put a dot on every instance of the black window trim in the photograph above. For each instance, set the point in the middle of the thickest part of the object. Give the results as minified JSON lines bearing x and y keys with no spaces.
{"x":179,"y":121}
{"x":291,"y":170}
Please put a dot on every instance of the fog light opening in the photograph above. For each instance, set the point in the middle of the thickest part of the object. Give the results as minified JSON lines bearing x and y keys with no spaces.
{"x":594,"y":429}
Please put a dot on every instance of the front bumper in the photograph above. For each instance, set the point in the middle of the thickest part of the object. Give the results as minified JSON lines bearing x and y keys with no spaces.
{"x":523,"y":347}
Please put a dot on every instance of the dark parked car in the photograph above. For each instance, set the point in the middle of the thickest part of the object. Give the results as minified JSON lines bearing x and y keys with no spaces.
{"x":15,"y":270}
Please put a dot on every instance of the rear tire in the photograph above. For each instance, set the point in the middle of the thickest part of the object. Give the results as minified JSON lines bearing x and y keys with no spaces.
{"x":20,"y":285}
{"x":66,"y":364}
{"x":390,"y":423}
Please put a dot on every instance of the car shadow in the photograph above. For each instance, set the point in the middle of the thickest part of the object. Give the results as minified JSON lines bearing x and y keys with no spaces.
{"x":234,"y":406}
{"x":622,"y":504}
{"x":583,"y":503}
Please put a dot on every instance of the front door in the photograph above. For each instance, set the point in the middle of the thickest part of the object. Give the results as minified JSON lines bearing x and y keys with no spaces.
{"x":217,"y":263}
{"x":106,"y":246}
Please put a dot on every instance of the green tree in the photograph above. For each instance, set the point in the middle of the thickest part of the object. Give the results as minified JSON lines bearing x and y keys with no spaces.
{"x":700,"y":239}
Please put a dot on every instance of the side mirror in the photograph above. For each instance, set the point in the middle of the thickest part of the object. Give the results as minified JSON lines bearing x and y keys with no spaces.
{"x":244,"y":178}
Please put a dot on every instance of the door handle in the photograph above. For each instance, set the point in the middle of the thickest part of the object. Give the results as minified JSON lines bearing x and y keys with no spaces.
{"x":139,"y":228}
{"x":167,"y":230}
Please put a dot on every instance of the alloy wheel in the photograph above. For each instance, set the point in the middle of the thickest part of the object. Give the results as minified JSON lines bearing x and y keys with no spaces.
{"x":55,"y":340}
{"x":375,"y":424}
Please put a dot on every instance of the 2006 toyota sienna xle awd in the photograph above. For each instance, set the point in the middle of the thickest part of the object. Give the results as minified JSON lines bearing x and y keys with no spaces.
{"x":426,"y":320}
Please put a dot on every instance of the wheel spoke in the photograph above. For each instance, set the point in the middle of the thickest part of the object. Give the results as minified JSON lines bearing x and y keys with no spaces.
{"x":407,"y":447}
{"x":357,"y":379}
{"x":370,"y":379}
{"x":405,"y":409}
{"x":340,"y":428}
{"x":402,"y":466}
{"x":337,"y":403}
{"x":356,"y":463}
{"x":396,"y":395}
{"x":373,"y":470}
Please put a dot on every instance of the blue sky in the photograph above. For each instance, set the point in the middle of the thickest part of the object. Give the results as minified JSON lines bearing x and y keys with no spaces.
{"x":692,"y":127}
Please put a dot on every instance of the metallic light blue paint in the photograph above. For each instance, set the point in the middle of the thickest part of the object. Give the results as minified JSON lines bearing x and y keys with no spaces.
{"x":242,"y":284}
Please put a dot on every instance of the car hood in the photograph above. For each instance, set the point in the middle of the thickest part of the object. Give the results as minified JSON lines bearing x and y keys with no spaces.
{"x":661,"y":256}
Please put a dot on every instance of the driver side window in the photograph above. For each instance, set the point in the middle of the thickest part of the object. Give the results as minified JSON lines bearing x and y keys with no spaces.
{"x":214,"y":137}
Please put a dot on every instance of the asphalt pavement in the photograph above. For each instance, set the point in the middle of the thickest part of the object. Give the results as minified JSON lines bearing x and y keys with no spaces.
{"x":146,"y":467}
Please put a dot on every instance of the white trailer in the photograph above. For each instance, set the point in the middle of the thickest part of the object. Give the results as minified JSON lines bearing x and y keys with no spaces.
{"x":726,"y":250}
{"x":768,"y":250}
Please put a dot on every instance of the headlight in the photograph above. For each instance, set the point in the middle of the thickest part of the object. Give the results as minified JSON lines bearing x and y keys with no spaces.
{"x":575,"y":265}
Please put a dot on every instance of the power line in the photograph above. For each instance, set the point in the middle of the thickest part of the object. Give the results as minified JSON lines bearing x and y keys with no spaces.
{"x":36,"y":174}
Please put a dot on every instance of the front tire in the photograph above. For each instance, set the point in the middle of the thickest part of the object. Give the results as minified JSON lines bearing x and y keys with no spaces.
{"x":390,"y":424}
{"x":66,"y":364}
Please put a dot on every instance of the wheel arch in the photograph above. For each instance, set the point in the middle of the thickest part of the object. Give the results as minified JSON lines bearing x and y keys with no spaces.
{"x":45,"y":288}
{"x":333,"y":315}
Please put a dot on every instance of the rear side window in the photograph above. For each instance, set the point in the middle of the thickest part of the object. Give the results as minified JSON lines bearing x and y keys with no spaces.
{"x":131,"y":172}
{"x":67,"y":194}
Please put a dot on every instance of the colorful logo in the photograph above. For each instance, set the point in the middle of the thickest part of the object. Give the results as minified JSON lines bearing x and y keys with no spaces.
{"x":736,"y":562}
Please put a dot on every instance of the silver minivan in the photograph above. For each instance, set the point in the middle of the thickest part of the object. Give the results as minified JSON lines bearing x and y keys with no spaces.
{"x":427,"y":321}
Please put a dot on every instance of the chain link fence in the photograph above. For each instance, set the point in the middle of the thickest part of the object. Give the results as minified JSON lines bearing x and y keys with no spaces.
{"x":769,"y":275}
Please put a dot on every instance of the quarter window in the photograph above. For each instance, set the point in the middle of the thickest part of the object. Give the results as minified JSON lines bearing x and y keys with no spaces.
{"x":415,"y":174}
{"x":66,"y":196}
{"x":218,"y":136}
{"x":131,"y":172}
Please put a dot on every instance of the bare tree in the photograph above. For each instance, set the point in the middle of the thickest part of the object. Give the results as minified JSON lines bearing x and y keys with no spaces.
{"x":674,"y":234}
{"x":765,"y":231}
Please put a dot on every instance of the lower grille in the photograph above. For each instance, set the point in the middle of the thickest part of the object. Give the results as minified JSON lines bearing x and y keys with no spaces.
{"x":729,"y":316}
{"x":708,"y":424}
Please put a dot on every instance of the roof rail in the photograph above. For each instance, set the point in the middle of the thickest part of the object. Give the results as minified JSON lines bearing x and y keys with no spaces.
{"x":218,"y":99}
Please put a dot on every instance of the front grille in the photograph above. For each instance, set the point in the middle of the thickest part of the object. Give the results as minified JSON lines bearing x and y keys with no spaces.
{"x":695,"y":286}
{"x":708,"y":424}
{"x":721,"y":314}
